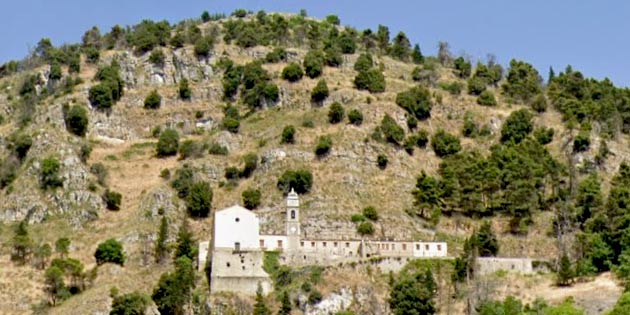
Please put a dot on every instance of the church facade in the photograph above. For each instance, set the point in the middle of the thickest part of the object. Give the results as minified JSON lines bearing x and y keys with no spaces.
{"x":238,"y":248}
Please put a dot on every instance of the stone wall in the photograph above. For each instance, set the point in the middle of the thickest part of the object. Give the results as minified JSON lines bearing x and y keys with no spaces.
{"x":490,"y":265}
{"x":238,"y":272}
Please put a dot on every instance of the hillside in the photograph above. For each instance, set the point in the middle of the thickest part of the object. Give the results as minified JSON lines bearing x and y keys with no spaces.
{"x":536,"y":201}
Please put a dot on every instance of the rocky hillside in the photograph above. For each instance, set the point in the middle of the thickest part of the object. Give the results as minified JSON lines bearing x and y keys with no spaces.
{"x":228,"y":87}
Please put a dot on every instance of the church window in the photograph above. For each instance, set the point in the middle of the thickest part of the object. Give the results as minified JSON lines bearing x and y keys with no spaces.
{"x":426,"y":247}
{"x":335,"y":244}
{"x":417,"y":246}
{"x":292,"y":214}
{"x":439,"y":247}
{"x":279,"y":243}
{"x":347,"y":244}
{"x":312,"y":244}
{"x":237,"y":246}
{"x":324,"y":244}
{"x":228,"y":265}
{"x":301,"y":244}
{"x":262,"y":243}
{"x":404,"y":246}
{"x":237,"y":220}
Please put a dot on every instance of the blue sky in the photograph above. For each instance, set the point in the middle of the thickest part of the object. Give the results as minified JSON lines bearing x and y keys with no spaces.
{"x":589,"y":35}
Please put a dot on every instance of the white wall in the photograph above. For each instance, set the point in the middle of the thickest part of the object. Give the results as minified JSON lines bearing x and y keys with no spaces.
{"x":270,"y":242}
{"x":236,"y":224}
{"x":430,"y":249}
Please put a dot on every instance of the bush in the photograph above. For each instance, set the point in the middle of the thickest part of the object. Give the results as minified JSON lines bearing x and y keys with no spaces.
{"x":314,"y":297}
{"x":365,"y":228}
{"x":412,"y":122}
{"x":100,"y":171}
{"x":382,"y":160}
{"x":110,"y":251}
{"x":539,"y":104}
{"x":217,"y":149}
{"x":517,"y":126}
{"x":184,"y":90}
{"x":335,"y":113}
{"x":55,"y":72}
{"x":112,"y":199}
{"x":251,"y":198}
{"x":153,"y":100}
{"x":49,"y":173}
{"x":314,"y":63}
{"x":288,"y":134}
{"x":191,"y":149}
{"x":523,"y":81}
{"x":275,"y":56}
{"x":251,"y":163}
{"x":370,"y":213}
{"x":486,"y":98}
{"x":301,"y":180}
{"x":231,"y":124}
{"x":92,"y":55}
{"x":292,"y":72}
{"x":422,"y":138}
{"x":544,"y":135}
{"x":416,"y":101}
{"x":333,"y":19}
{"x":100,"y":96}
{"x":581,"y":142}
{"x":129,"y":304}
{"x":357,"y":218}
{"x":19,"y":144}
{"x":199,"y":200}
{"x":232,"y":173}
{"x":8,"y":171}
{"x":324,"y":144}
{"x":391,"y":130}
{"x":470,"y":128}
{"x":355,"y":117}
{"x":76,"y":119}
{"x":333,"y":57}
{"x":157,"y":57}
{"x":371,"y":80}
{"x":364,"y":63}
{"x":184,"y":178}
{"x":168,"y":144}
{"x":445,"y":144}
{"x":476,"y":85}
{"x":320,"y":91}
{"x":454,"y":88}
{"x":203,"y":45}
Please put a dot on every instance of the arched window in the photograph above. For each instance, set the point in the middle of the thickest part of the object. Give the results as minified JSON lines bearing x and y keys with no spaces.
{"x":292,"y":214}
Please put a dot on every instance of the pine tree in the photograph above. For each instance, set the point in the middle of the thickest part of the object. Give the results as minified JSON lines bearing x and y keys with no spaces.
{"x":285,"y":308}
{"x":416,"y":55}
{"x":565,"y":272}
{"x":486,"y":241}
{"x":22,"y":244}
{"x":161,"y":249}
{"x":552,"y":75}
{"x":260,"y":308}
{"x":62,"y":246}
{"x":185,"y":242}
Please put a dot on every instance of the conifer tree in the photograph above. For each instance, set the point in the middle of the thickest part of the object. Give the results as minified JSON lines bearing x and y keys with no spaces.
{"x":22,"y":244}
{"x":260,"y":308}
{"x":285,"y":308}
{"x":161,"y":248}
{"x":185,"y":242}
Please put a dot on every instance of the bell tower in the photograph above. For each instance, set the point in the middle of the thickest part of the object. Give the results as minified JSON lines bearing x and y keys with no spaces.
{"x":293,"y":220}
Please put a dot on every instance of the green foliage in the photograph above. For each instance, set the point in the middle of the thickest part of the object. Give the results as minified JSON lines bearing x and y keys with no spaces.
{"x":251,"y":163}
{"x":49,"y":173}
{"x":55,"y":72}
{"x":288,"y":134}
{"x":365,"y":228}
{"x":232,"y":173}
{"x":401,"y":47}
{"x":276,"y":55}
{"x":203,"y":45}
{"x":463,"y":68}
{"x":622,"y":307}
{"x":168,"y":144}
{"x":251,"y":198}
{"x":217,"y":149}
{"x":173,"y":290}
{"x":517,"y":126}
{"x":161,"y":246}
{"x":381,"y":161}
{"x":260,"y":308}
{"x":76,"y":119}
{"x":470,"y":128}
{"x":314,"y":63}
{"x":539,"y":104}
{"x":19,"y":144}
{"x":285,"y":304}
{"x":320,"y":91}
{"x":148,"y":34}
{"x":110,"y":251}
{"x":333,"y":19}
{"x":199,"y":199}
{"x":413,"y":294}
{"x":185,"y":93}
{"x":454,"y":88}
{"x":486,"y":98}
{"x":134,"y":303}
{"x":582,"y":141}
{"x":336,"y":113}
{"x":301,"y":180}
{"x":54,"y":285}
{"x":355,"y":117}
{"x":523,"y":81}
{"x":22,"y":244}
{"x":110,"y":89}
{"x":324,"y":144}
{"x":112,"y":199}
{"x":476,"y":86}
{"x":544,"y":135}
{"x":565,"y":271}
{"x":485,"y":241}
{"x":416,"y":55}
{"x":364,"y":62}
{"x":416,"y":101}
{"x":100,"y":96}
{"x":232,"y":120}
{"x":391,"y":130}
{"x":445,"y":144}
{"x":333,"y":57}
{"x":370,"y":213}
{"x":153,"y":100}
{"x":186,"y":243}
{"x":371,"y":80}
{"x":157,"y":57}
{"x":191,"y":149}
{"x":357,"y":217}
{"x":292,"y":72}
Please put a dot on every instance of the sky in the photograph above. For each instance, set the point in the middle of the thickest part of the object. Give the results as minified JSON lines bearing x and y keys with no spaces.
{"x":588,"y":35}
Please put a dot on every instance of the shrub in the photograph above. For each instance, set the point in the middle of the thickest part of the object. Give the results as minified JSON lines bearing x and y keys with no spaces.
{"x":129,"y":304}
{"x":445,"y":144}
{"x":544,"y":135}
{"x":184,"y":90}
{"x":110,"y":251}
{"x":416,"y":101}
{"x":157,"y":57}
{"x":314,"y":63}
{"x":301,"y":180}
{"x":217,"y":149}
{"x":455,"y":88}
{"x":581,"y":142}
{"x":370,"y":213}
{"x":184,"y":178}
{"x":199,"y":200}
{"x":357,"y":218}
{"x":55,"y":72}
{"x":251,"y":163}
{"x":92,"y":55}
{"x":320,"y":91}
{"x":232,"y":173}
{"x":335,"y":113}
{"x":355,"y":117}
{"x":539,"y":104}
{"x":486,"y":98}
{"x":76,"y":119}
{"x":191,"y":149}
{"x":324,"y":144}
{"x":19,"y":144}
{"x":364,"y":62}
{"x":365,"y":228}
{"x":231,"y":124}
{"x":239,"y":13}
{"x":391,"y":130}
{"x":100,"y":96}
{"x":292,"y":72}
{"x":100,"y":171}
{"x":470,"y":128}
{"x":416,"y":74}
{"x":288,"y":134}
{"x":8,"y":171}
{"x":476,"y":85}
{"x":314,"y":297}
{"x":517,"y":126}
{"x":333,"y":57}
{"x":276,"y":55}
{"x":382,"y":160}
{"x":112,"y":199}
{"x":422,"y":138}
{"x":333,"y":19}
{"x":168,"y":144}
{"x":523,"y":81}
{"x":153,"y":100}
{"x":371,"y":80}
{"x":49,"y":173}
{"x":251,"y":198}
{"x":203,"y":45}
{"x":412,"y":122}
{"x":308,"y":123}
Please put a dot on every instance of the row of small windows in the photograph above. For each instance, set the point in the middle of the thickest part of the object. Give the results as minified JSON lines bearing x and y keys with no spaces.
{"x":385,"y":246}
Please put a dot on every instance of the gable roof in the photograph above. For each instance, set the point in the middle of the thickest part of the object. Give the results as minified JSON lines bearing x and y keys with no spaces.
{"x":236,"y":209}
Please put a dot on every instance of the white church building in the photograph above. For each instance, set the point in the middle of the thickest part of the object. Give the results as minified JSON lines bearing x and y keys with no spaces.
{"x":237,"y":249}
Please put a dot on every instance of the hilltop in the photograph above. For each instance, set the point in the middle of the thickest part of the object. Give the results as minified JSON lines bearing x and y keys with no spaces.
{"x":436,"y":144}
